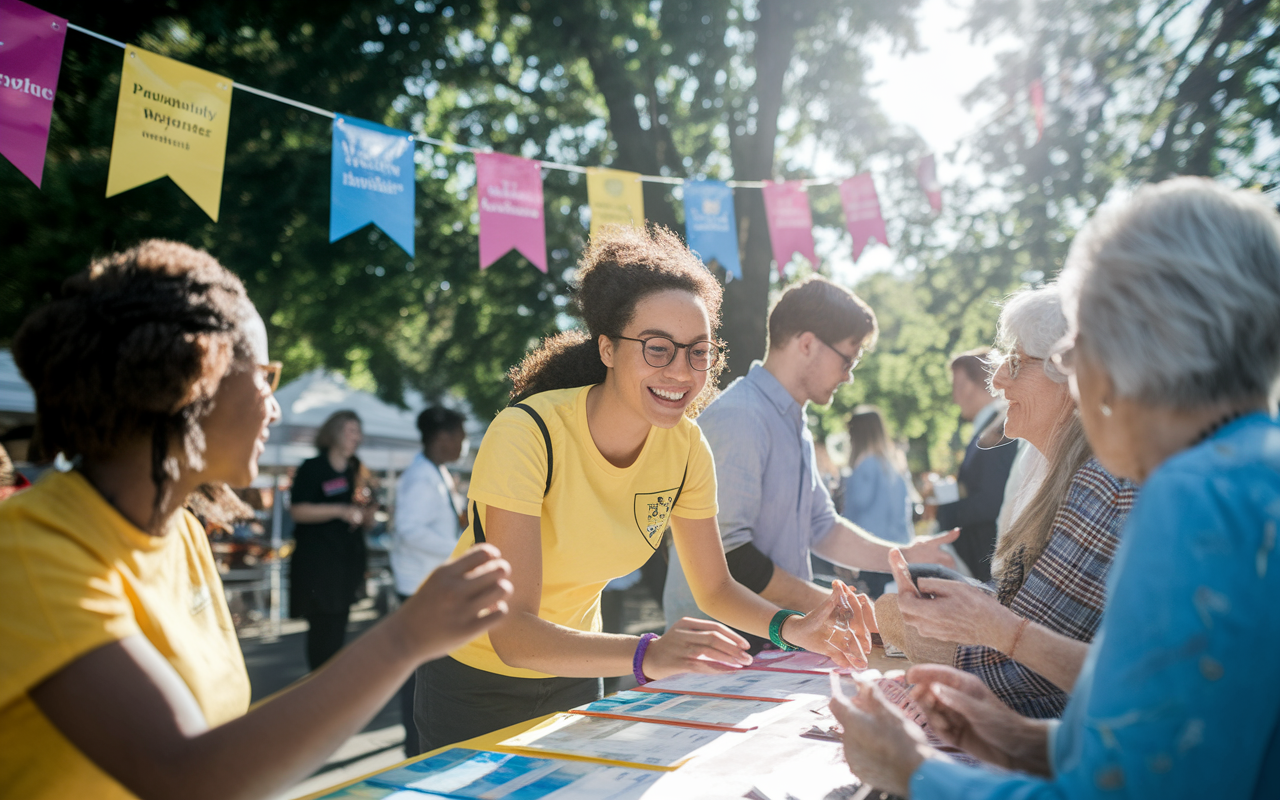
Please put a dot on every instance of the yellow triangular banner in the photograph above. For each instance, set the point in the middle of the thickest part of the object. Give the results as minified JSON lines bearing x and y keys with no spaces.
{"x":171,"y":120}
{"x":616,"y":198}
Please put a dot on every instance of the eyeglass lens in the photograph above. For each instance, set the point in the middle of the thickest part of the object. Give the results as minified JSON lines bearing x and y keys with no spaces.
{"x":659,"y":352}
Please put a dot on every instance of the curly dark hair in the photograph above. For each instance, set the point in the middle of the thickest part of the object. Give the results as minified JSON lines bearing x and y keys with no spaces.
{"x":136,"y":346}
{"x":615,"y":273}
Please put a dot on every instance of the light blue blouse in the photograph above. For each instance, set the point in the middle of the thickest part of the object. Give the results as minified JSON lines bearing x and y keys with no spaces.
{"x":1180,"y":693}
{"x":875,"y":499}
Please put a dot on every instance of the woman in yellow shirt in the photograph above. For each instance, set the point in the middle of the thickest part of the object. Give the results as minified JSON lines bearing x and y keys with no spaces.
{"x":120,"y":672}
{"x":576,"y":484}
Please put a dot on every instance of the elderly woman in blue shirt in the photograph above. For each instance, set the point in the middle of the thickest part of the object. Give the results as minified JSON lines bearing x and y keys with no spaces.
{"x":1174,"y":304}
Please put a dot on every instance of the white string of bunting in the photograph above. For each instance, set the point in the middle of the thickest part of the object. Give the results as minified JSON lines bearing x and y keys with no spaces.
{"x":171,"y":121}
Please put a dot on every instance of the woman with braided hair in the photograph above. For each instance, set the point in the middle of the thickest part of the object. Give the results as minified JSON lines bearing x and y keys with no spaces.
{"x":120,"y":673}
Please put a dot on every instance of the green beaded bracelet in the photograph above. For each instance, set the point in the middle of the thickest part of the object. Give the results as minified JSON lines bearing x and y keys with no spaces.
{"x":775,"y":628}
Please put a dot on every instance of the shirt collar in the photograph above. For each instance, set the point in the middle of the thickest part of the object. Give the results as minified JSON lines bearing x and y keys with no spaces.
{"x":773,"y":390}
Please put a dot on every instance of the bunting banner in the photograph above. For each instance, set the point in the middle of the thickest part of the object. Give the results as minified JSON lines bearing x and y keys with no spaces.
{"x":371,"y":180}
{"x":615,"y":197}
{"x":511,"y":212}
{"x":30,"y":58}
{"x":786,"y":204}
{"x":171,"y":120}
{"x":927,"y":175}
{"x":862,"y":212}
{"x":711,"y":228}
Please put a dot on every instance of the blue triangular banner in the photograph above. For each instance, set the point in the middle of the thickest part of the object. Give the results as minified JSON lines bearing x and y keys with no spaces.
{"x":710,"y":224}
{"x":372,"y":180}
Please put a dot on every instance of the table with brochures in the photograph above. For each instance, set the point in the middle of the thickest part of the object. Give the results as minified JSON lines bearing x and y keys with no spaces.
{"x":761,"y":733}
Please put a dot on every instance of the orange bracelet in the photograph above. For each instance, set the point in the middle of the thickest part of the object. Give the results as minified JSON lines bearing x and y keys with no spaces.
{"x":1017,"y":636}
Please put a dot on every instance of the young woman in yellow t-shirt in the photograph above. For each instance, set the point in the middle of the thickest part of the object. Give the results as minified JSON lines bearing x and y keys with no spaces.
{"x":576,"y":484}
{"x":120,"y":672}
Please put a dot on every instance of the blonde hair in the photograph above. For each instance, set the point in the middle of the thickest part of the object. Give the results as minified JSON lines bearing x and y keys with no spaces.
{"x":1027,"y":537}
{"x":327,"y":436}
{"x":867,"y":437}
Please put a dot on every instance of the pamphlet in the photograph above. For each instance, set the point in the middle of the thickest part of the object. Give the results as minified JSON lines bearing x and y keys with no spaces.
{"x":364,"y":790}
{"x":794,"y":661}
{"x":479,"y":775}
{"x":626,"y":741}
{"x":698,"y":711}
{"x":752,"y":684}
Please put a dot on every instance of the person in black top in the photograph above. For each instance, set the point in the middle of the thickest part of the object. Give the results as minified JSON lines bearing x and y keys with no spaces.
{"x":984,"y":472}
{"x":327,"y":503}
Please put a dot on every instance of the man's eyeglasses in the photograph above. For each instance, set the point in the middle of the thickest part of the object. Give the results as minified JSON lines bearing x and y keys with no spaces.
{"x":271,"y":373}
{"x":849,"y":361}
{"x":659,"y":351}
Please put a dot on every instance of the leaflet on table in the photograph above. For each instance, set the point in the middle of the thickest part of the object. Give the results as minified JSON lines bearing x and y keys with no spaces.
{"x":795,"y":661}
{"x":756,"y":684}
{"x":622,"y":741}
{"x":364,"y":790}
{"x":697,"y":711}
{"x":479,"y":775}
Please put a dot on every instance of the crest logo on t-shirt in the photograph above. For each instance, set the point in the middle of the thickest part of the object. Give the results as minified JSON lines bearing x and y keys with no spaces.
{"x":653,"y":510}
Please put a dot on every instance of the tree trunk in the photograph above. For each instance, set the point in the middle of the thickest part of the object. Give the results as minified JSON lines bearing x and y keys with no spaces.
{"x":746,"y":302}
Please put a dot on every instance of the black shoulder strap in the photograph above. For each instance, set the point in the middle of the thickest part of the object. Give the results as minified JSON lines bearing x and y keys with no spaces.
{"x":546,"y":438}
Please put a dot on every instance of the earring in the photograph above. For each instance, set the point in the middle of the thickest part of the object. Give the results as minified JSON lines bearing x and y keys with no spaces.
{"x":1106,"y":410}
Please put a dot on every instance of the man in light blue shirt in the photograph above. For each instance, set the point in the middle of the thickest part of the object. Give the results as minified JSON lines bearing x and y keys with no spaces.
{"x":774,"y":507}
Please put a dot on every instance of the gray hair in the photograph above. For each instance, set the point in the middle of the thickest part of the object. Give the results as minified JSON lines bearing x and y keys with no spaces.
{"x":1177,"y":294}
{"x":1033,"y":319}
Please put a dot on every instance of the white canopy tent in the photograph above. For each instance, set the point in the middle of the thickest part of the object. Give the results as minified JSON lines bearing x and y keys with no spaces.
{"x":390,"y":433}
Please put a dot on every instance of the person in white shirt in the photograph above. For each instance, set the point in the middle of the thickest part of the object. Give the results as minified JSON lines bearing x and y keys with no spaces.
{"x":427,"y":522}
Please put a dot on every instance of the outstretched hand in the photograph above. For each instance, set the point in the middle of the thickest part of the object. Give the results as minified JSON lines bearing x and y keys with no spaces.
{"x":965,"y":713}
{"x":928,"y":549}
{"x":882,"y":747}
{"x":459,"y":600}
{"x":840,"y":628}
{"x":695,"y":645}
{"x":952,"y":611}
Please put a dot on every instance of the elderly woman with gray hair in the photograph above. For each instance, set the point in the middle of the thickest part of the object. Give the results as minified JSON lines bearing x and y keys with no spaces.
{"x":1028,"y":639}
{"x":1174,"y":304}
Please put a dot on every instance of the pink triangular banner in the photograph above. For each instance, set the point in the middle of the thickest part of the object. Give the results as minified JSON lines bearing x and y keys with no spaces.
{"x":30,"y":58}
{"x":927,"y":175}
{"x":511,"y":214}
{"x":862,"y":212}
{"x":786,"y":204}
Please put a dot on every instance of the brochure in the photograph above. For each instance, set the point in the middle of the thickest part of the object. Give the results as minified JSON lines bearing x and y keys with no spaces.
{"x":794,"y":661}
{"x":480,"y":775}
{"x":623,"y":741}
{"x":752,"y":684}
{"x":696,"y":711}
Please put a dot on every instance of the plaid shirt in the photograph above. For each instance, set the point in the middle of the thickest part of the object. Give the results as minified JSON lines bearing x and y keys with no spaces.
{"x":1065,"y":589}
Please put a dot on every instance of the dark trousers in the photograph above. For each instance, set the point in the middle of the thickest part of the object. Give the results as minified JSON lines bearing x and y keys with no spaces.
{"x":405,"y":696}
{"x":326,"y":633}
{"x":454,"y":702}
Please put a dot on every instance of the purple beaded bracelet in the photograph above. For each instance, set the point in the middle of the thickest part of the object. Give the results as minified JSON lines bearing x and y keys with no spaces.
{"x":637,"y":661}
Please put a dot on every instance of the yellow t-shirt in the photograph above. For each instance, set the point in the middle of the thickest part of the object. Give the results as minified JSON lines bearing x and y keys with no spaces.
{"x":599,"y":522}
{"x":76,"y":575}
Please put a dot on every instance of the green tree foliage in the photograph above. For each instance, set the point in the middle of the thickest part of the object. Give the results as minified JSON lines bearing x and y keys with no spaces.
{"x":1135,"y":91}
{"x":361,"y":304}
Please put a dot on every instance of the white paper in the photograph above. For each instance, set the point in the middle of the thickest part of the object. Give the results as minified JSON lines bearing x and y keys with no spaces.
{"x":735,"y":712}
{"x":745,"y":683}
{"x":648,"y":743}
